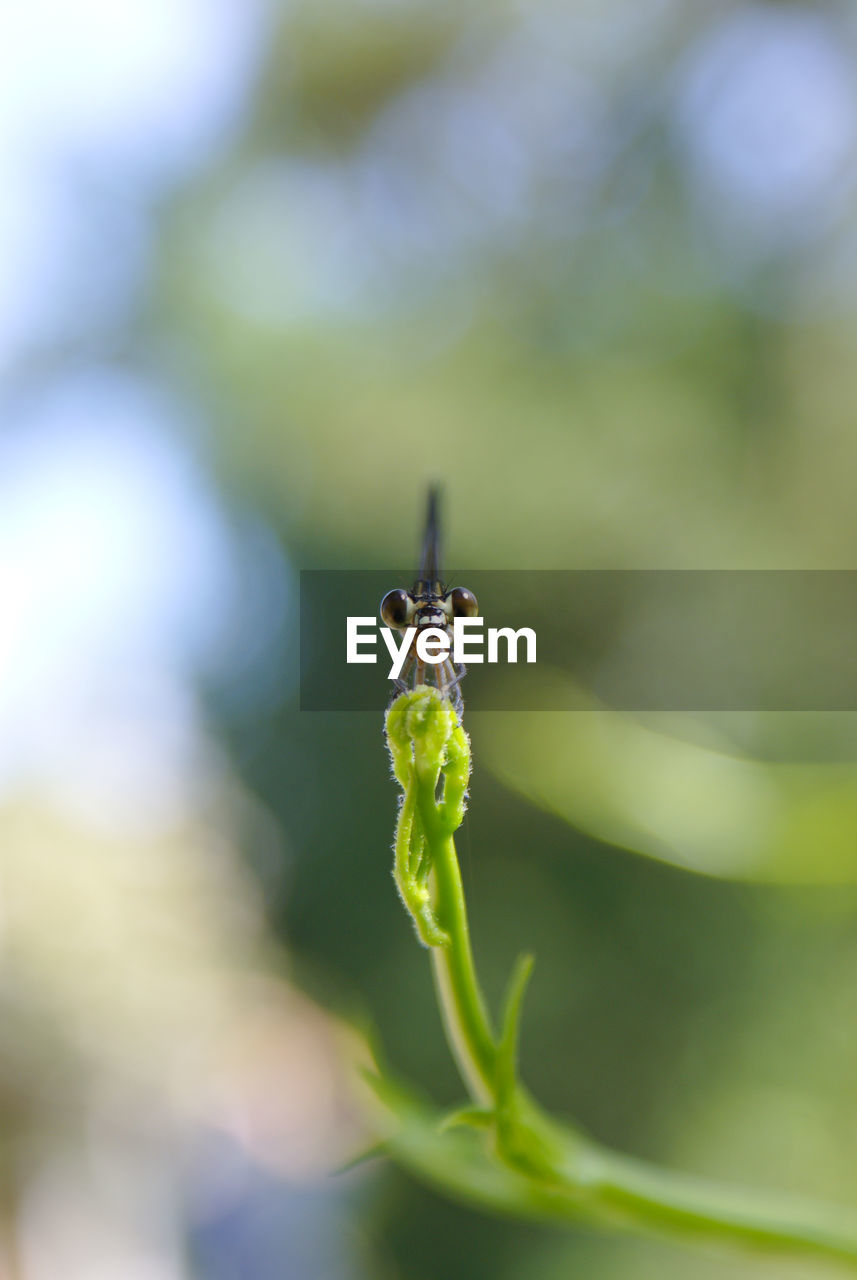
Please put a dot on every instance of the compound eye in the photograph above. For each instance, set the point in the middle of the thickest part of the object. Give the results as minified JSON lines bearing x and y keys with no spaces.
{"x":464,"y":603}
{"x":396,"y":609}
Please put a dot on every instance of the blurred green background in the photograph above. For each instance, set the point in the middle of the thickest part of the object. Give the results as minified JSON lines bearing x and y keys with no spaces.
{"x":267,"y":270}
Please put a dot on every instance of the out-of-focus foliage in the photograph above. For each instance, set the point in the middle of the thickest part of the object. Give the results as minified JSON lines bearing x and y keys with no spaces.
{"x":586,"y":261}
{"x":701,"y":805}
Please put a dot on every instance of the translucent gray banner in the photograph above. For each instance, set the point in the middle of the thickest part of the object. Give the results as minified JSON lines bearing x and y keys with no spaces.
{"x":633,"y":640}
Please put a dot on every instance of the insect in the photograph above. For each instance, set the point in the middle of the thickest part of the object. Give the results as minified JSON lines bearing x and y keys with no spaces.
{"x":430,"y":604}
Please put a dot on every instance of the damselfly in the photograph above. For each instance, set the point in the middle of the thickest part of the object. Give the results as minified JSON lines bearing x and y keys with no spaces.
{"x":430,"y":604}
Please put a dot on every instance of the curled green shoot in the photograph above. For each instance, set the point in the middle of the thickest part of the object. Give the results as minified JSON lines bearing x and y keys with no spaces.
{"x":529,"y":1163}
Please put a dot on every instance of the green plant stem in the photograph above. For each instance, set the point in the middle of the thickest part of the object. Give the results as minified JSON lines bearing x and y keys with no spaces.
{"x":460,"y":998}
{"x":556,"y":1171}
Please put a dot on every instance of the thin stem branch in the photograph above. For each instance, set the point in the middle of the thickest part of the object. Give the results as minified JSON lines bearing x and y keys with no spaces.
{"x":460,"y":998}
